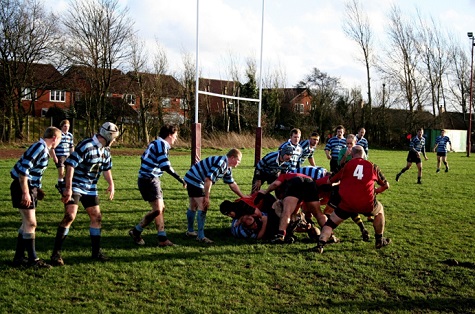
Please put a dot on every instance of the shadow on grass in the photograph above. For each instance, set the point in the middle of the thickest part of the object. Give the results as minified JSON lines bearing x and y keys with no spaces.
{"x":443,"y":305}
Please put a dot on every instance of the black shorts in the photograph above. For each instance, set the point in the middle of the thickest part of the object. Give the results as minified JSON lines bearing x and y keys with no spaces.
{"x":86,"y":200}
{"x":335,"y":197}
{"x":334,"y":166}
{"x":194,"y":191}
{"x":412,"y":157}
{"x":16,"y":193}
{"x":305,"y":189}
{"x":442,"y":154}
{"x":263,"y":177}
{"x":150,"y":189}
{"x":61,"y":160}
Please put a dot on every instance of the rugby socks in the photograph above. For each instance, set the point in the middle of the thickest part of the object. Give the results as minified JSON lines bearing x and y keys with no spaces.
{"x":61,"y":234}
{"x":419,"y":179}
{"x":201,"y":224}
{"x":190,"y":217}
{"x":359,"y":222}
{"x":20,"y":246}
{"x":138,"y":229}
{"x":29,"y":243}
{"x":162,"y":236}
{"x":95,"y":234}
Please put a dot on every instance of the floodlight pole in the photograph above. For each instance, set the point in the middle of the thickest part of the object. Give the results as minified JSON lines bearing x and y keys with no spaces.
{"x":469,"y":131}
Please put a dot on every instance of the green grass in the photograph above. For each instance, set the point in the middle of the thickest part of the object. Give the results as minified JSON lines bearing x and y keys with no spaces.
{"x":429,"y":224}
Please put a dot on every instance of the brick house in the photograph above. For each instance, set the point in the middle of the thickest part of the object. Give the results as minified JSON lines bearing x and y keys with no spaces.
{"x":44,"y":89}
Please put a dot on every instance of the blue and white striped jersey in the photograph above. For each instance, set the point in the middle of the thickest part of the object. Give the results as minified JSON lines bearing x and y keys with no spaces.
{"x":334,"y":145}
{"x":89,"y":160}
{"x":242,"y":232}
{"x":441,"y":142}
{"x":313,"y":172}
{"x":213,"y":167}
{"x":154,"y":159}
{"x":271,"y":165}
{"x":294,"y":160}
{"x":363,"y":142}
{"x":418,"y":144}
{"x":65,"y":146}
{"x":32,"y":163}
{"x":307,"y":152}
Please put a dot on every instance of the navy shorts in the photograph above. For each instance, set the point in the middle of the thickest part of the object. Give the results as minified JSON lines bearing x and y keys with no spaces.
{"x":305,"y":189}
{"x":86,"y":200}
{"x":442,"y":154}
{"x":150,"y":189}
{"x":16,"y":193}
{"x":412,"y":157}
{"x":61,"y":160}
{"x":194,"y":191}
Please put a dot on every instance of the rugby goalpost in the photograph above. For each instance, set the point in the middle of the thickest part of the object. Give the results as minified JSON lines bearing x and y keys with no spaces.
{"x":196,"y":129}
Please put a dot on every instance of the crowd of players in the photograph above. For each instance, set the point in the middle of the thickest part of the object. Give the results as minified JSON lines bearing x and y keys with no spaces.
{"x":347,"y":190}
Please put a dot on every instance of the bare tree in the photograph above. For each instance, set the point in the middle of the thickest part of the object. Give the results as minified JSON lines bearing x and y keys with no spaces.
{"x":325,"y":93}
{"x":138,"y":62}
{"x":357,"y":27}
{"x":28,"y":36}
{"x":98,"y":35}
{"x":459,"y":70}
{"x":187,"y":80}
{"x":399,"y":65}
{"x":432,"y":47}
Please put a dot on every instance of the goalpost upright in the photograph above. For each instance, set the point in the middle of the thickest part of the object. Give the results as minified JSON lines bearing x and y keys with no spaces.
{"x":196,"y":129}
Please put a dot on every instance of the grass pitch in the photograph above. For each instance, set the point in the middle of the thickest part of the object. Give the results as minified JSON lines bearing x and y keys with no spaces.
{"x":429,"y":267}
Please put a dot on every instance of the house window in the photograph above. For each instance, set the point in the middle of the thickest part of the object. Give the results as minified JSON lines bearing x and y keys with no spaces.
{"x":57,"y":95}
{"x":166,"y":103}
{"x":130,"y":99}
{"x":26,"y":94}
{"x":299,"y":108}
{"x":183,"y":104}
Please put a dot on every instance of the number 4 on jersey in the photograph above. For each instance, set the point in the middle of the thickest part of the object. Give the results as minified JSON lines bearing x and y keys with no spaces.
{"x":358,"y":173}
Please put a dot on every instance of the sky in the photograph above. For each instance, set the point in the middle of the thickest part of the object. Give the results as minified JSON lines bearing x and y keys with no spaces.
{"x":299,"y":35}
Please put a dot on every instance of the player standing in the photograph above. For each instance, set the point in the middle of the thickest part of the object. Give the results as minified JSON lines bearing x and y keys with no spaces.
{"x":26,"y":191}
{"x":83,"y":168}
{"x":154,"y":162}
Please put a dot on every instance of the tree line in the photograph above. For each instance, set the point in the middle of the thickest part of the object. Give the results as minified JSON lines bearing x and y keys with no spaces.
{"x":423,"y":72}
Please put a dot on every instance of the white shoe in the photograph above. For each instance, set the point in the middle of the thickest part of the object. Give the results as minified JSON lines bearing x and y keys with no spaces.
{"x":191,"y":234}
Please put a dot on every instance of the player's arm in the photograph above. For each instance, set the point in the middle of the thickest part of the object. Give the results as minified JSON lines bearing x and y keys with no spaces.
{"x":235,"y":188}
{"x":110,"y":181}
{"x":263,"y":227}
{"x":382,"y":188}
{"x":435,"y":146}
{"x":207,"y":189}
{"x":25,"y":191}
{"x":52,"y":153}
{"x":171,"y":171}
{"x":68,"y":182}
{"x":311,"y":161}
